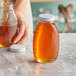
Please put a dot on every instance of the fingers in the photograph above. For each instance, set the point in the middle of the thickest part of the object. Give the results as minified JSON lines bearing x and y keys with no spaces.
{"x":24,"y":37}
{"x":21,"y":26}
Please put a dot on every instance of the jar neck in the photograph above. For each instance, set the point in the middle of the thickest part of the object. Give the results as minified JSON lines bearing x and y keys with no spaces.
{"x":46,"y":21}
{"x":9,"y":6}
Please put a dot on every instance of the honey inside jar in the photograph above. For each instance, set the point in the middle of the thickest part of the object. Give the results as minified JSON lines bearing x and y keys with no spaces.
{"x":46,"y":42}
{"x":6,"y":35}
{"x":5,"y":6}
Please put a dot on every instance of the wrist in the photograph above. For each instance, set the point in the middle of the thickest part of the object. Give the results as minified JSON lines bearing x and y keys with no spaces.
{"x":18,"y":13}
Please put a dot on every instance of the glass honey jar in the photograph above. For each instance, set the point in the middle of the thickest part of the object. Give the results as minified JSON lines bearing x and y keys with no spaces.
{"x":46,"y":39}
{"x":8,"y":24}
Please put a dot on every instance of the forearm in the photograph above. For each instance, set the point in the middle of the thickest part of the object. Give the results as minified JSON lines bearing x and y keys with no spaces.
{"x":19,"y":6}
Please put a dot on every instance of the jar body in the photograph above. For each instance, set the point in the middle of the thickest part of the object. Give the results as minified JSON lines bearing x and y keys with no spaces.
{"x":46,"y":42}
{"x":8,"y":29}
{"x":7,"y":33}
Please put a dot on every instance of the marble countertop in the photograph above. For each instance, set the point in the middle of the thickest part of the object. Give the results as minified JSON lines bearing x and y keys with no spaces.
{"x":23,"y":64}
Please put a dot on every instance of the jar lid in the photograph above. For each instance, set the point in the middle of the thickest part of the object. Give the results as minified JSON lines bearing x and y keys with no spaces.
{"x":47,"y":17}
{"x":17,"y":48}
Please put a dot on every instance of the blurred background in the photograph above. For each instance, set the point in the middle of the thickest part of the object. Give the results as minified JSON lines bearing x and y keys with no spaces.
{"x":64,"y":11}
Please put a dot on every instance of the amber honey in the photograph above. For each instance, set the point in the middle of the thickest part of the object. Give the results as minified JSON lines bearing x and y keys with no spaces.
{"x":6,"y":35}
{"x":5,"y":22}
{"x":46,"y":42}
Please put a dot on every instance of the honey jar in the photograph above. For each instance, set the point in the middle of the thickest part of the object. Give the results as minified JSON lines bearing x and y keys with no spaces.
{"x":46,"y":39}
{"x":8,"y":24}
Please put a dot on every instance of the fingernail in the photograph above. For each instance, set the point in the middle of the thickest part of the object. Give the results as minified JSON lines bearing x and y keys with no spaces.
{"x":14,"y":42}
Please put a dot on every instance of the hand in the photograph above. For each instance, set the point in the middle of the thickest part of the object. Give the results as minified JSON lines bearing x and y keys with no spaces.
{"x":22,"y":35}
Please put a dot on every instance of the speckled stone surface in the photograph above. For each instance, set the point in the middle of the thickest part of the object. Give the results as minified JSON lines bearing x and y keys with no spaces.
{"x":23,"y":64}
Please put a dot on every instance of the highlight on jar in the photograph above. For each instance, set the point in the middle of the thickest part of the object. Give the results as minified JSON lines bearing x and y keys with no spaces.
{"x":8,"y":24}
{"x":46,"y":39}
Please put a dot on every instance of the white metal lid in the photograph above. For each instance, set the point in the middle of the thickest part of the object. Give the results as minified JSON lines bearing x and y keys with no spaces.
{"x":17,"y":48}
{"x":47,"y":17}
